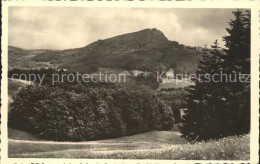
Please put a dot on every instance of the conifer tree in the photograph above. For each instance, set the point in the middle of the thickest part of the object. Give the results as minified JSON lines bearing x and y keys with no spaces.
{"x":237,"y":61}
{"x":205,"y":99}
{"x":219,"y":106}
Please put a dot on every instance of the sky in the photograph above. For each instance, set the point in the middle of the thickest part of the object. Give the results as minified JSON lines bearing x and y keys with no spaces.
{"x":67,"y":27}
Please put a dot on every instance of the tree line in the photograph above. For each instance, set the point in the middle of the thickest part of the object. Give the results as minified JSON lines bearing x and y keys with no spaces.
{"x":85,"y":111}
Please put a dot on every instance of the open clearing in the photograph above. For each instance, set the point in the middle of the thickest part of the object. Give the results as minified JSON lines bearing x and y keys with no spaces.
{"x":175,"y":83}
{"x":150,"y":145}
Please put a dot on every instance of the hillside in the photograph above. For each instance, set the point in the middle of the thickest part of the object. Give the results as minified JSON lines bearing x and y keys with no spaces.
{"x":23,"y":58}
{"x":147,"y":50}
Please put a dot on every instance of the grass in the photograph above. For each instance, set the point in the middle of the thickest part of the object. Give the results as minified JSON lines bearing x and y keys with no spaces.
{"x":150,"y":145}
{"x":13,"y":86}
{"x":20,"y":135}
{"x":174,"y":83}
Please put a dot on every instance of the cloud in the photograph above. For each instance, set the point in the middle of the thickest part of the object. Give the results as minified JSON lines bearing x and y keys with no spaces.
{"x":63,"y":27}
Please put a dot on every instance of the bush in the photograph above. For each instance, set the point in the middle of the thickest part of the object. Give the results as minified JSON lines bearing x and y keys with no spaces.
{"x":175,"y":99}
{"x":78,"y":113}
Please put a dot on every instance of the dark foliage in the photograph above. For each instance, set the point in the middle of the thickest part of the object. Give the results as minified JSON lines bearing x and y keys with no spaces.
{"x":220,"y":106}
{"x":59,"y":76}
{"x":79,"y":113}
{"x":175,"y":99}
{"x":149,"y":79}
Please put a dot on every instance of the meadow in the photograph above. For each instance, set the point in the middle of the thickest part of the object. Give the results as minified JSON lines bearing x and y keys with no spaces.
{"x":150,"y":145}
{"x":175,"y":83}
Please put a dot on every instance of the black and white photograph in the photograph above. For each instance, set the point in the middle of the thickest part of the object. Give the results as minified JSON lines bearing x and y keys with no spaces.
{"x":129,"y":83}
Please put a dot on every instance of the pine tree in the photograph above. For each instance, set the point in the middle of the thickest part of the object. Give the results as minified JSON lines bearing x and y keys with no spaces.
{"x":238,"y":61}
{"x":217,"y":106}
{"x":205,"y":99}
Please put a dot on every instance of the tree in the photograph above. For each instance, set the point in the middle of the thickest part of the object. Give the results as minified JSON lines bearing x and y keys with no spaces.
{"x":205,"y":99}
{"x":220,"y":107}
{"x":77,"y":112}
{"x":238,"y":61}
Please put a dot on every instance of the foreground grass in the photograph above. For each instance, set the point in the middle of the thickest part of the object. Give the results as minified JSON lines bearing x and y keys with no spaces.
{"x":20,"y":135}
{"x":151,"y":145}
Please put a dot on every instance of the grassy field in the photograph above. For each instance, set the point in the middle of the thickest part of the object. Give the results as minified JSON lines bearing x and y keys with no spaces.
{"x":150,"y":145}
{"x":174,"y":83}
{"x":13,"y":88}
{"x":21,"y":135}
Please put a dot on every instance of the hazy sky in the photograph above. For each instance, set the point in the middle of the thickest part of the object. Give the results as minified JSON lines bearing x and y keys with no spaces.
{"x":63,"y":28}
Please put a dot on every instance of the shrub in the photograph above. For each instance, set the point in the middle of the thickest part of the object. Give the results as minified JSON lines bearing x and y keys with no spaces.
{"x":78,"y":113}
{"x":175,"y":99}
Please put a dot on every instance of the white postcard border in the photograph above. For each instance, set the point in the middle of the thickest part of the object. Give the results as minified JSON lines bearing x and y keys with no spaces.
{"x":255,"y":51}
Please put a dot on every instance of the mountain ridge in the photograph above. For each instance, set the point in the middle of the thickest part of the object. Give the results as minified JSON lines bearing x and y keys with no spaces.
{"x":147,"y":49}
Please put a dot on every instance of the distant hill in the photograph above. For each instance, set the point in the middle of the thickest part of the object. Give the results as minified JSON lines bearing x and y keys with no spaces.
{"x":146,"y":50}
{"x":23,"y":58}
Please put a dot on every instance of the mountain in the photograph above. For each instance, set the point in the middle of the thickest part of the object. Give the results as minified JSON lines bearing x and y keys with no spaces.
{"x":147,"y":49}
